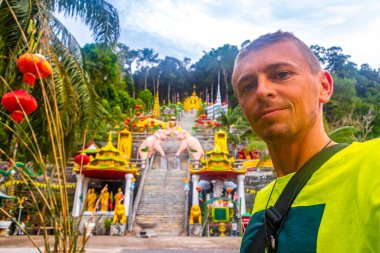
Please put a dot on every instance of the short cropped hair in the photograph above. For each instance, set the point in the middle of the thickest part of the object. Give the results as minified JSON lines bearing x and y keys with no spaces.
{"x":272,"y":38}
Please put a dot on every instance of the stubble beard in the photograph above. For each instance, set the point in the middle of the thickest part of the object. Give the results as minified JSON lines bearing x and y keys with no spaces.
{"x":283,"y":132}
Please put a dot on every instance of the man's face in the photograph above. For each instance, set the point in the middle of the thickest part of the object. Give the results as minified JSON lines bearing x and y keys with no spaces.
{"x":278,"y":92}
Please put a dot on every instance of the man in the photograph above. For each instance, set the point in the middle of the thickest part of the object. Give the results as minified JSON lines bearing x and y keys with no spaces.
{"x":281,"y":88}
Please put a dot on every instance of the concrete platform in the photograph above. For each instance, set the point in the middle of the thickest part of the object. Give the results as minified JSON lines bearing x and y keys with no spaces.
{"x":130,"y":244}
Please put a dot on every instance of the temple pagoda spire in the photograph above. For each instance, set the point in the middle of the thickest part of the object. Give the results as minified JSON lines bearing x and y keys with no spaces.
{"x":156,"y":107}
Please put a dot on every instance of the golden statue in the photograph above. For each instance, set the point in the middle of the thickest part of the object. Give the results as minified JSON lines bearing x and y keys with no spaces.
{"x":104,"y":198}
{"x":118,"y":197}
{"x":119,"y":216}
{"x":222,"y":229}
{"x":20,"y":201}
{"x":91,"y":199}
{"x":195,"y":215}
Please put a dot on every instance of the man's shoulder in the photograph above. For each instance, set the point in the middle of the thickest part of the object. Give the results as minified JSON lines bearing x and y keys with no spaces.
{"x":368,"y":144}
{"x":361,"y":149}
{"x":262,"y":196}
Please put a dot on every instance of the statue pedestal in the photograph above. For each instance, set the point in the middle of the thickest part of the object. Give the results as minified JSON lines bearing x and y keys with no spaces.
{"x":176,"y":163}
{"x":117,"y":229}
{"x":164,"y":163}
{"x":4,"y":227}
{"x":195,"y":230}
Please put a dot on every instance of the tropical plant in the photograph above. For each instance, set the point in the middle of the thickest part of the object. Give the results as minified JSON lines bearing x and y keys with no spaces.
{"x":67,"y":102}
{"x":30,"y":26}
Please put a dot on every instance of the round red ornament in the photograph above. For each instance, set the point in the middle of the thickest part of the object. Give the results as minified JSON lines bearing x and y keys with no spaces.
{"x":82,"y":159}
{"x":18,"y":100}
{"x":33,"y":66}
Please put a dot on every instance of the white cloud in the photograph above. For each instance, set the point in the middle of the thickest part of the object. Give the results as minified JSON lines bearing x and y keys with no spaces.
{"x":187,"y":27}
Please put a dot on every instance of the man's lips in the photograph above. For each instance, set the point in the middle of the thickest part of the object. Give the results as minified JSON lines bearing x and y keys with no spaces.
{"x":269,"y":112}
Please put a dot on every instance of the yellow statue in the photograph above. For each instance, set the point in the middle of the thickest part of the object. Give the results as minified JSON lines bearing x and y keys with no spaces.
{"x":222,"y":229}
{"x":104,"y":198}
{"x":20,"y":201}
{"x":118,"y":197}
{"x":195,"y":215}
{"x":119,"y":216}
{"x":91,"y":199}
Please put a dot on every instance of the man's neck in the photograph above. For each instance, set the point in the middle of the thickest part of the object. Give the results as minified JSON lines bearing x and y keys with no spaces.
{"x":289,"y":157}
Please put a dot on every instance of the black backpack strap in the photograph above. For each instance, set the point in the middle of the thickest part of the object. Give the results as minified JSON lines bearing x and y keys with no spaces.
{"x":274,"y":215}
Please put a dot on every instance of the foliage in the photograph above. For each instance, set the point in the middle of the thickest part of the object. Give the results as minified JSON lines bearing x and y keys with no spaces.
{"x":68,"y":103}
{"x":147,"y":97}
{"x":27,"y":26}
{"x":356,"y":98}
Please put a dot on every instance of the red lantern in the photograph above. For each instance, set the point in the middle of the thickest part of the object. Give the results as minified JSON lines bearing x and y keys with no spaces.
{"x":127,"y":120}
{"x":33,"y":66}
{"x":82,"y":159}
{"x":202,"y":116}
{"x":217,"y":124}
{"x":152,"y":123}
{"x":138,"y":114}
{"x":138,"y":107}
{"x":198,"y":188}
{"x":18,"y":100}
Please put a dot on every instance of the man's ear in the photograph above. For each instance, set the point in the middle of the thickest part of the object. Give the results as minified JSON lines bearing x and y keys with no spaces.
{"x":327,"y":87}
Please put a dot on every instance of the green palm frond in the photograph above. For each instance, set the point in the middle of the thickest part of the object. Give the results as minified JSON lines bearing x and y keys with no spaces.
{"x":11,"y":42}
{"x":100,"y":16}
{"x":345,"y":134}
{"x":66,"y":38}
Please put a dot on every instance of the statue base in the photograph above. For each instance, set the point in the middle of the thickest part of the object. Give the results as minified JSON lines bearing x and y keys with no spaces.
{"x":117,"y":229}
{"x":195,"y":230}
{"x":163,"y":163}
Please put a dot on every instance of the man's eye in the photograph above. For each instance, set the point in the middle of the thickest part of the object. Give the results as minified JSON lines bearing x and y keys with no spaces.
{"x":282,"y":75}
{"x":247,"y":88}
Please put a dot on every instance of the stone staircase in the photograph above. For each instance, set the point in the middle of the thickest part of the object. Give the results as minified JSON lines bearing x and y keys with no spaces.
{"x":163,"y":200}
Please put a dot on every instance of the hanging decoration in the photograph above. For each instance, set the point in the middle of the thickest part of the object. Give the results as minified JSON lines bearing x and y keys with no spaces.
{"x":17,"y":101}
{"x":33,"y":66}
{"x":82,"y":159}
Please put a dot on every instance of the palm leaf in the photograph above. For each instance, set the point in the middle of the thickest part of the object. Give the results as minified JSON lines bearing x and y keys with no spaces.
{"x":345,"y":134}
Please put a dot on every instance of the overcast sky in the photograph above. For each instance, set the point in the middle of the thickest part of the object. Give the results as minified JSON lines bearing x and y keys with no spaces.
{"x":186,"y":28}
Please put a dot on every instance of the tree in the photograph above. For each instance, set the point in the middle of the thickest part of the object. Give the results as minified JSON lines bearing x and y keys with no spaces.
{"x":146,"y":58}
{"x":30,"y":26}
{"x":147,"y":97}
{"x":205,"y":71}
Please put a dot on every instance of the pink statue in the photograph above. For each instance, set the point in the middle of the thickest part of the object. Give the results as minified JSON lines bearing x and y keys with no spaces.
{"x":191,"y":143}
{"x":150,"y":145}
{"x":171,"y":126}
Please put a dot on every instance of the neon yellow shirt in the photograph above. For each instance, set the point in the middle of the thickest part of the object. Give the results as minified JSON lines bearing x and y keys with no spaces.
{"x":338,"y":210}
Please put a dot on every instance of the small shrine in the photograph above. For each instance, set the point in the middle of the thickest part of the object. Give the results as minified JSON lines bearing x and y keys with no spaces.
{"x":147,"y":123}
{"x":193,"y":102}
{"x":218,"y":191}
{"x":109,"y":164}
{"x":217,"y":164}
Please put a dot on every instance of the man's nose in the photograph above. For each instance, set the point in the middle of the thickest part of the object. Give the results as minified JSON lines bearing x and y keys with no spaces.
{"x":264,"y":88}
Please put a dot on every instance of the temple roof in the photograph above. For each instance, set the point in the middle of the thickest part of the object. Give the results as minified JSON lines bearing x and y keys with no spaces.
{"x":217,"y":165}
{"x":108,"y":164}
